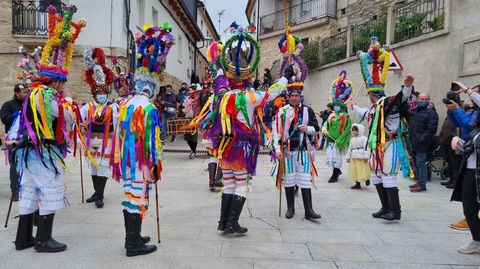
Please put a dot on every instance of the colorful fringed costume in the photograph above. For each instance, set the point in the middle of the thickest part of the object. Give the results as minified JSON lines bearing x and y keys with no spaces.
{"x":387,"y":129}
{"x":233,"y":115}
{"x":337,"y":127}
{"x":98,"y":117}
{"x":294,"y":131}
{"x":49,"y":129}
{"x":136,"y":147}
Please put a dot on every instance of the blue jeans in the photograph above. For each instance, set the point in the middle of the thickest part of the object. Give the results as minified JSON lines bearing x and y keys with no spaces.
{"x":421,"y":163}
{"x":165,"y":118}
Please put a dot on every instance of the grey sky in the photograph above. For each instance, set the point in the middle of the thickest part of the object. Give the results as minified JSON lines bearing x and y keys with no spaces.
{"x":234,"y":11}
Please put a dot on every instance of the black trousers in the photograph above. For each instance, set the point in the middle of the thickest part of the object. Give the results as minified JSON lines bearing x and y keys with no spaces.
{"x":470,"y":204}
{"x":453,"y":160}
{"x":192,"y":141}
{"x":13,"y":172}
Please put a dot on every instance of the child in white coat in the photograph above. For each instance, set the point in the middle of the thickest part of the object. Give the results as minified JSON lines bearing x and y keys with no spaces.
{"x":357,"y":156}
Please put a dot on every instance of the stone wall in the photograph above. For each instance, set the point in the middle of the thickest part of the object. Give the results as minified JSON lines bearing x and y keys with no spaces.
{"x":436,"y":59}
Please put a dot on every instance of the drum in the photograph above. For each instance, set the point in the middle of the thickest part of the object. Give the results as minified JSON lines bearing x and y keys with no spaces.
{"x":171,"y":110}
{"x":179,"y":126}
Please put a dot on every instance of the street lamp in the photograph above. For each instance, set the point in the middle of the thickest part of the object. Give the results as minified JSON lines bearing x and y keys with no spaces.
{"x":220,"y":14}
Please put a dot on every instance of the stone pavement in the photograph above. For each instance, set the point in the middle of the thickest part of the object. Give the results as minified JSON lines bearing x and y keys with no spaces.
{"x":345,"y":237}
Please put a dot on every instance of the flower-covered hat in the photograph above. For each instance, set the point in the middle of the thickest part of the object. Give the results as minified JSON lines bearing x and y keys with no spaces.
{"x":290,"y":46}
{"x":98,"y":76}
{"x":342,"y":88}
{"x":58,"y":50}
{"x":153,"y":47}
{"x":240,"y":54}
{"x":379,"y":58}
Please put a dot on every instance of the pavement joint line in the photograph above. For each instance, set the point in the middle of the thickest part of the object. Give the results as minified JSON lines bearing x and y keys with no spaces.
{"x":309,"y":252}
{"x":336,"y":265}
{"x":264,"y":221}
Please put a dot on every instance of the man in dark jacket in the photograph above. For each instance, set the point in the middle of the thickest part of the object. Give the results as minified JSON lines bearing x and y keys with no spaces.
{"x":8,"y":113}
{"x":170,"y":101}
{"x":422,"y":127}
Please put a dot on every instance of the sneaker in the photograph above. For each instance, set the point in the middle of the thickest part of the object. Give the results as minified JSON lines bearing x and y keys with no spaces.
{"x":472,"y":247}
{"x":461,"y":225}
{"x":367,"y":182}
{"x":173,"y":139}
{"x":191,"y":155}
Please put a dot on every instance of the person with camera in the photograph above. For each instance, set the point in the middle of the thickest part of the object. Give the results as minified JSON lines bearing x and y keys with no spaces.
{"x":468,"y":181}
{"x":422,"y":127}
{"x":170,"y":101}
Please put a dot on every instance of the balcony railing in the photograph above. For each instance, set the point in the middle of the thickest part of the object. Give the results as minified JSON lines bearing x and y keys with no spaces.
{"x":31,"y":17}
{"x":298,"y":14}
{"x":362,"y":33}
{"x":418,"y":18}
{"x":334,"y":48}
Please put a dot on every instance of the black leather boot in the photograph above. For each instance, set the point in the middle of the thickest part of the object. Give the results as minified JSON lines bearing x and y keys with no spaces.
{"x":236,"y":207}
{"x":290,"y":194}
{"x":307,"y":204}
{"x":219,"y":179}
{"x":382,"y":194}
{"x":134,"y":243}
{"x":126,"y":214}
{"x":24,"y":237}
{"x":212,"y":170}
{"x":356,"y":186}
{"x":93,"y":198}
{"x":224,"y":210}
{"x":101,"y":182}
{"x":394,"y":202}
{"x":335,"y":174}
{"x":44,"y":241}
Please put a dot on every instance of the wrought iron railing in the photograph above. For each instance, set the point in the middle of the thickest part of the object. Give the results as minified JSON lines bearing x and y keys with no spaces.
{"x":334,"y":48}
{"x":31,"y":17}
{"x":362,"y":33}
{"x":418,"y":18}
{"x":298,"y":14}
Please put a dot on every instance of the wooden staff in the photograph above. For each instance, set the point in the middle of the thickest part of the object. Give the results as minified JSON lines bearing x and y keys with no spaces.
{"x":158,"y":213}
{"x":9,"y":210}
{"x":81,"y":176}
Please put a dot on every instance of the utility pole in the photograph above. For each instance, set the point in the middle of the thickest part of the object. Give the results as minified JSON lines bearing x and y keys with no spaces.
{"x":220,"y":14}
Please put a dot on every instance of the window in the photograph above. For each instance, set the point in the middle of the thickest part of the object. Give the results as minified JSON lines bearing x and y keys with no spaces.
{"x":154,"y":16}
{"x":141,"y":13}
{"x":305,"y":41}
{"x":180,"y":47}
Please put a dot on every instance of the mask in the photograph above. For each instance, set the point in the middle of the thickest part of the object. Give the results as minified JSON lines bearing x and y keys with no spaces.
{"x":423,"y":104}
{"x":102,"y":98}
{"x":336,"y":108}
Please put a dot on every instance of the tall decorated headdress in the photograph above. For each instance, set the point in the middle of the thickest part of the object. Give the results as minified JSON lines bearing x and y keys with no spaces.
{"x":214,"y":52}
{"x":58,"y":51}
{"x":291,"y":46}
{"x":342,"y":89}
{"x":379,"y":58}
{"x":98,"y":76}
{"x":153,"y":47}
{"x":240,"y":55}
{"x":123,"y":81}
{"x":28,"y":70}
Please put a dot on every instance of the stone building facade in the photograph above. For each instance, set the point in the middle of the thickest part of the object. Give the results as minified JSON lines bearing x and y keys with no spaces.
{"x":436,"y":58}
{"x":114,"y":44}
